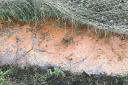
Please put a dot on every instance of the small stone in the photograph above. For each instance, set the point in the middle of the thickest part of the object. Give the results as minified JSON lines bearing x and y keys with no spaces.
{"x":111,"y":21}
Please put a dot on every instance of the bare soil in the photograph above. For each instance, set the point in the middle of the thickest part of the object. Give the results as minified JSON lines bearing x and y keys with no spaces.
{"x":75,"y":50}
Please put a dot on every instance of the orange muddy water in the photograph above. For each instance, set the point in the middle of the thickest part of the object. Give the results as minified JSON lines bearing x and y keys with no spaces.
{"x":73,"y":50}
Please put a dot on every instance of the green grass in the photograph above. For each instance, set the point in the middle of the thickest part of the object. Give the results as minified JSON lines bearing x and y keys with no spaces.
{"x":3,"y":76}
{"x":26,"y":10}
{"x":34,"y":75}
{"x":40,"y":10}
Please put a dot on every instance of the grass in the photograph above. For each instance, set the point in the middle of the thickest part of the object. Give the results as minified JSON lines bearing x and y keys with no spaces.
{"x":40,"y":10}
{"x":26,"y":10}
{"x":34,"y":75}
{"x":3,"y":75}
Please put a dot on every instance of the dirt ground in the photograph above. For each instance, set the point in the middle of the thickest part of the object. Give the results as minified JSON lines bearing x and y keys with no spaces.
{"x":65,"y":47}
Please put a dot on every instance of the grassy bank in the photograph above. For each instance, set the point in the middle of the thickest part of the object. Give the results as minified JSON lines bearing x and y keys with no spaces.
{"x":27,"y":10}
{"x":34,"y":75}
{"x":104,"y":14}
{"x":37,"y":11}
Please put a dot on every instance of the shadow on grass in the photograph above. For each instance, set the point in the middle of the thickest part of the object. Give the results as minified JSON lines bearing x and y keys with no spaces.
{"x":34,"y":75}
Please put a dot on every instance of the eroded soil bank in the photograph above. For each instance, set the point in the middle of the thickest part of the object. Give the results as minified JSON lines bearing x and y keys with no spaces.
{"x":65,"y":47}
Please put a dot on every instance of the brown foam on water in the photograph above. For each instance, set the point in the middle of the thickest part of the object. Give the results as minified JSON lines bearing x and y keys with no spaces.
{"x":65,"y":48}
